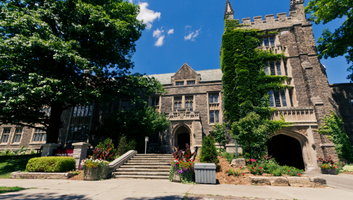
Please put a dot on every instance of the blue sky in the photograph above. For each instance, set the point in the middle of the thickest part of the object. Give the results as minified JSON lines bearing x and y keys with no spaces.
{"x":186,"y":31}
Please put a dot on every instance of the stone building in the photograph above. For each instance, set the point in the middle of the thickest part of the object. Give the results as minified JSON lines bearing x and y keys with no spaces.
{"x":194,"y":99}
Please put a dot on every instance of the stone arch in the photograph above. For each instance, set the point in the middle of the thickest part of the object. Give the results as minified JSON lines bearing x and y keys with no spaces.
{"x":308,"y":154}
{"x":181,"y":132}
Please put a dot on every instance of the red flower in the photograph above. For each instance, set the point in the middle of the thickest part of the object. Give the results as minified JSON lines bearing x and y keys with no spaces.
{"x":288,"y":170}
{"x":190,"y":164}
{"x":260,"y":167}
{"x":299,"y":174}
{"x":237,"y":173}
{"x":240,"y":167}
{"x":188,"y":160}
{"x":255,"y":170}
{"x":177,"y":163}
{"x":243,"y":173}
{"x":227,"y":171}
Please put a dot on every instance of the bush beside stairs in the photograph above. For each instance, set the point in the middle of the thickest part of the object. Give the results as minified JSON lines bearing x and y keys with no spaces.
{"x":145,"y":166}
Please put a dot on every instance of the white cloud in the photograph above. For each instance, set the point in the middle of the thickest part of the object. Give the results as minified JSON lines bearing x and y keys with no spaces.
{"x":160,"y":41}
{"x":148,"y":16}
{"x":130,"y":1}
{"x":159,"y":33}
{"x":187,"y":26}
{"x":192,"y":35}
{"x":171,"y":31}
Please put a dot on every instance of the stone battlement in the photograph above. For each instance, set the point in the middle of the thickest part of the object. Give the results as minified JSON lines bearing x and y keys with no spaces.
{"x":270,"y":18}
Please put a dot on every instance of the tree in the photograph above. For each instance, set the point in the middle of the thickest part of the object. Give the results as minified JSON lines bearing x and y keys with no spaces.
{"x":208,"y":150}
{"x":135,"y":124}
{"x":339,"y":42}
{"x":219,"y":134}
{"x":60,"y":54}
{"x":333,"y":129}
{"x":246,"y":86}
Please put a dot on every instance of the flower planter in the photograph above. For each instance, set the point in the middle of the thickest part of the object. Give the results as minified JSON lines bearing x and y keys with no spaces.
{"x":98,"y":173}
{"x":329,"y":171}
{"x":176,"y":177}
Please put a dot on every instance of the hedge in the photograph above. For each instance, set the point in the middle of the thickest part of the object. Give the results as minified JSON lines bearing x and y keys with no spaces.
{"x":51,"y":164}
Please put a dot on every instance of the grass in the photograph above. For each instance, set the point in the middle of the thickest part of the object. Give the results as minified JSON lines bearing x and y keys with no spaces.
{"x":4,"y":189}
{"x":10,"y":164}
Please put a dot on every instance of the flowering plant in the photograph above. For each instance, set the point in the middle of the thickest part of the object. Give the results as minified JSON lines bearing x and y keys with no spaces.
{"x":90,"y":163}
{"x":182,"y":165}
{"x":236,"y":172}
{"x":94,"y":169}
{"x":327,"y":164}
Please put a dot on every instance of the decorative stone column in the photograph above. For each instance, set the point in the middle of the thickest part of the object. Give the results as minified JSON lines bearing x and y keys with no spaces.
{"x":80,"y":152}
{"x":48,"y":149}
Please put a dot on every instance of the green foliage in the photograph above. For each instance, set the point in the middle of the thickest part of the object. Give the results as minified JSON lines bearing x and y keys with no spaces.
{"x":51,"y":164}
{"x":65,"y":53}
{"x":219,"y":134}
{"x":228,"y":156}
{"x":208,"y":151}
{"x":235,"y":172}
{"x":178,"y":154}
{"x":270,"y":166}
{"x":245,"y":86}
{"x":135,"y":124}
{"x":339,"y":42}
{"x":125,"y":146}
{"x":4,"y":189}
{"x":9,"y":164}
{"x":347,"y":168}
{"x":104,"y":150}
{"x":333,"y":129}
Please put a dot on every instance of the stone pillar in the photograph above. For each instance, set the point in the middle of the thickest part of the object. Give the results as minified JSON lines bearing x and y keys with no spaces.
{"x":80,"y":152}
{"x":48,"y":149}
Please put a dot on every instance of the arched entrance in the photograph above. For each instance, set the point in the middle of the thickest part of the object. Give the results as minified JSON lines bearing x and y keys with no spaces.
{"x":286,"y":150}
{"x":182,"y":136}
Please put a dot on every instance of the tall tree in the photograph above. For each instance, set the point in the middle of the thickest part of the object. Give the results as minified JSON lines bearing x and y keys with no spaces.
{"x":60,"y":54}
{"x":339,"y":42}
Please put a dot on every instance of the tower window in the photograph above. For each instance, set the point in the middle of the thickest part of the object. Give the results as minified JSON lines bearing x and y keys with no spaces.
{"x":177,"y":103}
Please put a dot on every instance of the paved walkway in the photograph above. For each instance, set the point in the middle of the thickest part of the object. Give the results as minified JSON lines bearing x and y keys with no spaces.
{"x":340,"y":181}
{"x":157,"y":189}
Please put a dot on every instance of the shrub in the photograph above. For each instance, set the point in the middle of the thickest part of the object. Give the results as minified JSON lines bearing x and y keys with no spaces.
{"x":208,"y":151}
{"x":348,"y":168}
{"x":235,"y":172}
{"x":104,"y":150}
{"x":270,"y":166}
{"x":51,"y":164}
{"x":228,"y":156}
{"x":124,"y":146}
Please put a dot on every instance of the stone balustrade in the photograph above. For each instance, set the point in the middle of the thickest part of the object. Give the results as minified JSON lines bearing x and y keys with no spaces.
{"x":183,"y":115}
{"x":296,"y":114}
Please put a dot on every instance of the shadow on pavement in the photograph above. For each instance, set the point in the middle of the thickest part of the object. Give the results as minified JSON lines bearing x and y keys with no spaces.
{"x":172,"y":197}
{"x":55,"y":196}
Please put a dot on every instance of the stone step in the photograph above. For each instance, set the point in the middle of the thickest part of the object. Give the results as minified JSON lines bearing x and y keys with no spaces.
{"x":142,"y":170}
{"x":146,"y":166}
{"x":142,"y":173}
{"x":149,"y":161}
{"x":153,"y":154}
{"x":144,"y":163}
{"x":141,"y":177}
{"x":150,"y":158}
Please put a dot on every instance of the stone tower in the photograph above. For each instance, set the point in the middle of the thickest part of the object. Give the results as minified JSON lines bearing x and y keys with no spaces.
{"x":310,"y":96}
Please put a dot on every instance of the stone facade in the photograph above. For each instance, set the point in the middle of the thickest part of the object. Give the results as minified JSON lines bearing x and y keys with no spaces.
{"x":193,"y":102}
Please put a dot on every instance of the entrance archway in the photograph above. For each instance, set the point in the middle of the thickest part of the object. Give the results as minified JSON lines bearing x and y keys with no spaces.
{"x":182,"y":136}
{"x":286,"y":150}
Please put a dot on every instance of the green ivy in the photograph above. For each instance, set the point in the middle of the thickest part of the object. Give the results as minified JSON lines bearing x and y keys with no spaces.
{"x":246,"y":86}
{"x":333,"y":128}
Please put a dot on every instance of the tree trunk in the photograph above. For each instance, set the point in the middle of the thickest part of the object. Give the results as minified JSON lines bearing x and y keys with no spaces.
{"x":55,"y":123}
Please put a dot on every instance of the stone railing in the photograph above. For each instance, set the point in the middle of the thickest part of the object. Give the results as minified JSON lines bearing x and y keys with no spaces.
{"x":183,"y":115}
{"x":296,"y":114}
{"x":121,"y":160}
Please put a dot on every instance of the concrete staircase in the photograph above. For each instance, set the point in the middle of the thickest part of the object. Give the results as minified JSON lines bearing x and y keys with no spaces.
{"x":145,"y":166}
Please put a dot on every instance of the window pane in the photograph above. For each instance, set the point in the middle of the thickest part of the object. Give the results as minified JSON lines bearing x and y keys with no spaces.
{"x":175,"y":106}
{"x":270,"y":93}
{"x":283,"y":96}
{"x":266,"y":42}
{"x":86,"y":111}
{"x":191,"y":108}
{"x":217,"y":116}
{"x":215,"y":98}
{"x":277,"y":100}
{"x":261,"y":42}
{"x":272,"y":40}
{"x":191,"y":82}
{"x":82,"y":111}
{"x":273,"y":71}
{"x":90,"y":111}
{"x":211,"y":98}
{"x":278,"y":65}
{"x":179,"y":104}
{"x":211,"y":116}
{"x":180,"y":83}
{"x":267,"y":70}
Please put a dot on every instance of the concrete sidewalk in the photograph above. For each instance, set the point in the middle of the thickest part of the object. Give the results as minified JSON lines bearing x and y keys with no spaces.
{"x":156,"y":189}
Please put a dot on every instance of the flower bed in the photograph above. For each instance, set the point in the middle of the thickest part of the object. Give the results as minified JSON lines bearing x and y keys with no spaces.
{"x":95,"y":169}
{"x":182,"y":170}
{"x":328,"y":166}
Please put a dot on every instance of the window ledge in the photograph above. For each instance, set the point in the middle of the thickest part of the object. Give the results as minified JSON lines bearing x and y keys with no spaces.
{"x":34,"y":143}
{"x":16,"y":144}
{"x":3,"y":144}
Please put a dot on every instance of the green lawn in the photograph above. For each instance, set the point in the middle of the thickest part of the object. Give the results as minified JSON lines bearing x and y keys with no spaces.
{"x":10,"y":164}
{"x":4,"y":189}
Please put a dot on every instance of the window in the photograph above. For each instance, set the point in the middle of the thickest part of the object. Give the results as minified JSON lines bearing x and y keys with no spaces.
{"x":278,"y":98}
{"x":46,"y":111}
{"x":272,"y":41}
{"x":78,"y":133}
{"x":39,"y":135}
{"x":268,"y":41}
{"x":155,"y":101}
{"x":126,"y":105}
{"x":82,"y":111}
{"x":273,"y":69}
{"x":191,"y":82}
{"x":177,"y":103}
{"x":18,"y":135}
{"x":189,"y":103}
{"x":214,"y":116}
{"x":5,"y":135}
{"x":352,"y":102}
{"x":179,"y":83}
{"x":213,"y":98}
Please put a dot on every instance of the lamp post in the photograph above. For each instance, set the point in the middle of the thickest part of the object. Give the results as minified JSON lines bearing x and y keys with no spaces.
{"x":236,"y":148}
{"x":146,"y":140}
